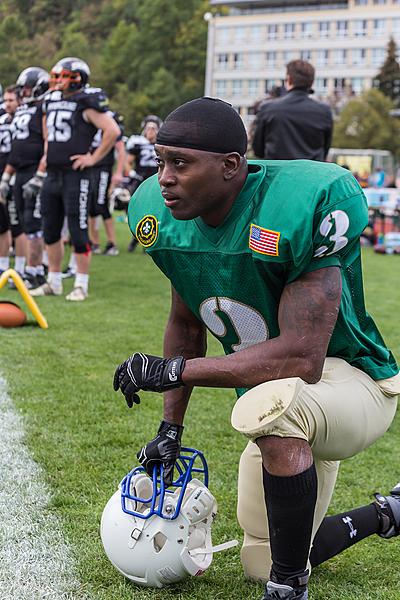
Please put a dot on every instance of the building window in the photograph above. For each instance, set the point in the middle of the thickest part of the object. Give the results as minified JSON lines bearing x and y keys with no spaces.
{"x":306,"y":30}
{"x":222,"y":61}
{"x":238,"y":60}
{"x":339,"y":84}
{"x":357,"y":84}
{"x":305,"y":55}
{"x":360,"y":28}
{"x":341,"y":28}
{"x":289,"y":55}
{"x":396,"y":26}
{"x":220,"y":88}
{"x":255,"y":60}
{"x":358,"y":56}
{"x":256,"y":33}
{"x":240,"y":33}
{"x":223,"y":34}
{"x":360,"y":2}
{"x":253,"y":87}
{"x":324,"y":28}
{"x":237,"y":87}
{"x":272,"y":32}
{"x":378,"y":56}
{"x":340,"y":56}
{"x":379,"y":1}
{"x":321,"y":85}
{"x":269,"y":85}
{"x":271,"y":59}
{"x":322,"y":57}
{"x":379,"y":26}
{"x":288,"y":31}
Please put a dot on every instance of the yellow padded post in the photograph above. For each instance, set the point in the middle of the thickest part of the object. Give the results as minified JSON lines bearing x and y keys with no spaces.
{"x":23,"y":290}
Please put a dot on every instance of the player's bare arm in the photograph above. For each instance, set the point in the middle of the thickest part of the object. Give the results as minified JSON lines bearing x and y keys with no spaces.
{"x":120,"y":165}
{"x":185,"y":335}
{"x":307,"y":315}
{"x":110,"y":134}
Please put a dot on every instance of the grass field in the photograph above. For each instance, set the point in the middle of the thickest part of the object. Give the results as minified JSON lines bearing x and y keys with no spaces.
{"x":86,"y":439}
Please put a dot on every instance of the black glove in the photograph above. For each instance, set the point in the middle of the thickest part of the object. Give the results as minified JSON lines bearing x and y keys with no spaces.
{"x":32,"y":187}
{"x":150,"y":373}
{"x":165,"y":449}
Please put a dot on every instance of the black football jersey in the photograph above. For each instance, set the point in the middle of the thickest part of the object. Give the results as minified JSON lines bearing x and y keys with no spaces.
{"x":5,"y":139}
{"x":27,"y":136}
{"x":108,"y":159}
{"x":145,"y":156}
{"x":68,"y":132}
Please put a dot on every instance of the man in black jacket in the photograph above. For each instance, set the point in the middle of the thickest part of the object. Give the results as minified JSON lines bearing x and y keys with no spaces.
{"x":294,"y":126}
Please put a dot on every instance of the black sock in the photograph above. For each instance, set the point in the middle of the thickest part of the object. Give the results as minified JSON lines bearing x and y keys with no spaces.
{"x":339,"y":532}
{"x":290,"y":505}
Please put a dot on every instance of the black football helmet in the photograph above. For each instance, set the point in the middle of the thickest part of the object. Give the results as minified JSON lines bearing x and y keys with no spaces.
{"x":69,"y":74}
{"x":32,"y":84}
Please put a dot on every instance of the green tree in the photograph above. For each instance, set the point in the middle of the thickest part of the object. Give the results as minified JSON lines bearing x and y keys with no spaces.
{"x":149,"y":56}
{"x":14,"y":49}
{"x":365,"y":122}
{"x":388,"y":78}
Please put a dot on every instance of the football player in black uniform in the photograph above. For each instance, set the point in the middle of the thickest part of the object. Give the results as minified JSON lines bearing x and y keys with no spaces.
{"x":102,"y":177}
{"x":141,"y":159}
{"x":26,"y":162}
{"x":10,"y":102}
{"x":73,"y":113}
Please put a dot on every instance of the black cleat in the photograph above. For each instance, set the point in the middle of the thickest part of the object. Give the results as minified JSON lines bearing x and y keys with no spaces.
{"x":280,"y":591}
{"x":388,"y":508}
{"x":291,"y":589}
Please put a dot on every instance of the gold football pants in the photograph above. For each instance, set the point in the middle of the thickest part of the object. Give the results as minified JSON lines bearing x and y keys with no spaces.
{"x":339,"y":416}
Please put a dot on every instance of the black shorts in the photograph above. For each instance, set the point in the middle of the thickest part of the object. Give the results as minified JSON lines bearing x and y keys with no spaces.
{"x":4,"y":222}
{"x":28,"y":212}
{"x":100,"y":184}
{"x":65,"y":193}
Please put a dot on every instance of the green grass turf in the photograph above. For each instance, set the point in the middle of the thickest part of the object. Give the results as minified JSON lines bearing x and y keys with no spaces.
{"x":86,"y":439}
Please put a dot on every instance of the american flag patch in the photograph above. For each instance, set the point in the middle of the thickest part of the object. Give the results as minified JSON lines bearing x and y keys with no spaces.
{"x":263,"y":240}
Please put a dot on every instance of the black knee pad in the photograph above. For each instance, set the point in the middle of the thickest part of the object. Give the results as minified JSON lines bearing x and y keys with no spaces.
{"x":79,"y":236}
{"x":82,"y":249}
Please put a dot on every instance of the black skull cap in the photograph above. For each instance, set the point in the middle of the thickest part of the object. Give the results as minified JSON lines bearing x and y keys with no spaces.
{"x":207,"y":124}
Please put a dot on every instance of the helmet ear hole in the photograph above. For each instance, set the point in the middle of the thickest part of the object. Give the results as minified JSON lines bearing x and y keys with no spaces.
{"x":159,"y":541}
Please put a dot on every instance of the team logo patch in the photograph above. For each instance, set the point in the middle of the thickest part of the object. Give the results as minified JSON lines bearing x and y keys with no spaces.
{"x":263,"y":240}
{"x":147,"y":231}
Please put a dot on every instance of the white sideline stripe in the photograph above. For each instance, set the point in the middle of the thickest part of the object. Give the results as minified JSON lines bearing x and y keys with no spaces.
{"x":35,"y":560}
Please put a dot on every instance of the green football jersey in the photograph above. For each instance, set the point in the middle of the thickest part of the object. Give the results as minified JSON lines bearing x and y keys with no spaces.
{"x":290,"y":218}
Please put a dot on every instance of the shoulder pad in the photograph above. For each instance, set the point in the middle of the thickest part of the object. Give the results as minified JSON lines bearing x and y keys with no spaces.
{"x":94,"y":98}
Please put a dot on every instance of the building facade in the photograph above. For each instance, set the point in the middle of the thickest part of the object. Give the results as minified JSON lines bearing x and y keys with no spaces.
{"x":251,"y":41}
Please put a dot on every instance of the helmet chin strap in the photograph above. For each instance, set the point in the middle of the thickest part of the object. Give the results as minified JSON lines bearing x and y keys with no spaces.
{"x":213,"y":549}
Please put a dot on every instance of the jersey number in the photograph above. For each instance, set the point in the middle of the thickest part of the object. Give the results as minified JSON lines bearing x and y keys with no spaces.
{"x":5,"y":142}
{"x":58,"y":127}
{"x":341,"y":221}
{"x":21,"y":126}
{"x":249,"y":325}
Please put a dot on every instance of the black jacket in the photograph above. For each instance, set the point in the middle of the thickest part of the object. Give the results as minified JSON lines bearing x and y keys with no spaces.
{"x":291,"y":127}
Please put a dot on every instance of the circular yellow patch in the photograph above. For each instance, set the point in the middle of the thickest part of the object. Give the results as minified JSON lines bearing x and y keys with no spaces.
{"x":147,"y":230}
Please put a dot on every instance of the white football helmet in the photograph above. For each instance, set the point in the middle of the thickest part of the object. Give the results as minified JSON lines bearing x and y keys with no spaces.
{"x":156,"y":537}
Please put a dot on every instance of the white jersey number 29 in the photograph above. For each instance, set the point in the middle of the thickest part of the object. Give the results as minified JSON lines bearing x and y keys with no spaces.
{"x":248,"y":323}
{"x":340,"y":220}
